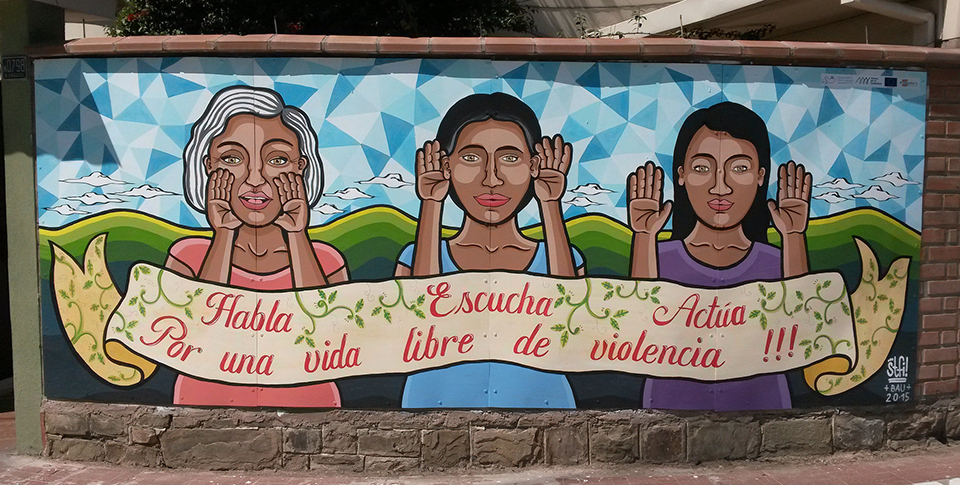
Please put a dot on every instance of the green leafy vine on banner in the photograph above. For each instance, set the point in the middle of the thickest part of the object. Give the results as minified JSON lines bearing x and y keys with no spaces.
{"x":803,"y":304}
{"x":384,"y":308}
{"x":161,"y":293}
{"x":325,"y":303}
{"x":867,"y":279}
{"x":895,"y":309}
{"x":125,"y":327}
{"x":567,"y":329}
{"x":647,"y":295}
{"x":69,"y":296}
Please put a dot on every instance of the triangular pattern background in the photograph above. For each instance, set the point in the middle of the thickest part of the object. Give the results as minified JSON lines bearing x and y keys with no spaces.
{"x":129,"y":118}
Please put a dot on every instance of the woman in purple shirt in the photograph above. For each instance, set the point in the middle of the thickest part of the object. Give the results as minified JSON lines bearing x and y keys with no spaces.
{"x":721,"y":170}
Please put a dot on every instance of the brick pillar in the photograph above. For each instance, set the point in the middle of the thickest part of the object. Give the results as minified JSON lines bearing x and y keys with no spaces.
{"x":940,"y":291}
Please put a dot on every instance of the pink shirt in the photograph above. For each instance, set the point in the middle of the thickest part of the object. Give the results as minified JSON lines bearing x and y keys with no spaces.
{"x":189,"y":391}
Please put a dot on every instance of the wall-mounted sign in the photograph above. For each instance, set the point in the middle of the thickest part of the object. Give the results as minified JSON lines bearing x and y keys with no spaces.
{"x":14,"y":67}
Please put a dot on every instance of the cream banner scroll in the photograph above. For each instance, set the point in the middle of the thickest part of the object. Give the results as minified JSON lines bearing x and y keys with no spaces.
{"x":654,"y":328}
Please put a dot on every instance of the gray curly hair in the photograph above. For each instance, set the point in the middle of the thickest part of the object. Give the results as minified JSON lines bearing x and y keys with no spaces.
{"x":260,"y":102}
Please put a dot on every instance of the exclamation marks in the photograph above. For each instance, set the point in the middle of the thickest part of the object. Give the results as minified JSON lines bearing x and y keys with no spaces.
{"x":782,"y":334}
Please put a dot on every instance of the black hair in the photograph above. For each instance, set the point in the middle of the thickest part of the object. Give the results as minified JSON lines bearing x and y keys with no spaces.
{"x":482,"y":107}
{"x":740,"y":122}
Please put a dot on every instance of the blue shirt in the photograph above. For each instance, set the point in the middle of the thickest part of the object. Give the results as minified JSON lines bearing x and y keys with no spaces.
{"x":487,"y":384}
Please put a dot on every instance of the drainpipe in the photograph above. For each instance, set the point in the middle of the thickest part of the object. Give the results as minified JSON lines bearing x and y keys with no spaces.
{"x":924,"y":32}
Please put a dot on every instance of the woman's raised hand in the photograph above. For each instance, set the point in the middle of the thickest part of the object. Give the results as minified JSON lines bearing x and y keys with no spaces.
{"x":219,"y":214}
{"x":550,"y":168}
{"x":433,"y":172}
{"x":791,"y":210}
{"x":646,"y":210}
{"x":294,"y":210}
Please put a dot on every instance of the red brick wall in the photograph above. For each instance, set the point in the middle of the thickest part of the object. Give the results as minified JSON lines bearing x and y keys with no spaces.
{"x":937,"y":348}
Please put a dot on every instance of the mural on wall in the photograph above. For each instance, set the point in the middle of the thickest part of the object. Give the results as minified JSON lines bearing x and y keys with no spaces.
{"x":470,"y":233}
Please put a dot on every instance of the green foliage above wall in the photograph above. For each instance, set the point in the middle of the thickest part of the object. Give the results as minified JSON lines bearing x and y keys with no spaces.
{"x":364,"y":17}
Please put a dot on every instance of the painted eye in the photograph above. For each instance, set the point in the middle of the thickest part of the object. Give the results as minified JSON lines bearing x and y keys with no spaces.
{"x":701,"y":168}
{"x":510,"y":158}
{"x":231,"y":160}
{"x":470,"y":157}
{"x":278,"y":161}
{"x":740,"y":168}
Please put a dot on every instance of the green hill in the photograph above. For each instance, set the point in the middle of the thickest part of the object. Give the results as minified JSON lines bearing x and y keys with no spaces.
{"x":371,"y":240}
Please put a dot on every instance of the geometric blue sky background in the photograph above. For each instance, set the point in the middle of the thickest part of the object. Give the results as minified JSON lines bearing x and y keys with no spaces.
{"x":129,"y":119}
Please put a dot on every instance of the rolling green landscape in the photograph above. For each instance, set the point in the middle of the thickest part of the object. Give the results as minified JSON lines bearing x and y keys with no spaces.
{"x":371,"y":239}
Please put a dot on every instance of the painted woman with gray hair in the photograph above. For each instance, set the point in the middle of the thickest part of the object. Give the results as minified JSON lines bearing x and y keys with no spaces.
{"x":252,"y":167}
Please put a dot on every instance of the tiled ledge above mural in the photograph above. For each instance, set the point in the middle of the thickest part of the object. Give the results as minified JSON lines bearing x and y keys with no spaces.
{"x":526,"y":47}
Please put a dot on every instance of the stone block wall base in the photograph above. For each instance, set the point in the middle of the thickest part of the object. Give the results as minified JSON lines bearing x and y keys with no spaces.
{"x":391,"y":442}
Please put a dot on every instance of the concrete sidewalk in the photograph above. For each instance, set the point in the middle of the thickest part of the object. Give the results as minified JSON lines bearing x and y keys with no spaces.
{"x":936,"y":464}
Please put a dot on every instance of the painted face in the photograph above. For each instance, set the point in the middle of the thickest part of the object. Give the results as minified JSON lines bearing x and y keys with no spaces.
{"x":722,"y":176}
{"x":490,"y":170}
{"x":256,"y":151}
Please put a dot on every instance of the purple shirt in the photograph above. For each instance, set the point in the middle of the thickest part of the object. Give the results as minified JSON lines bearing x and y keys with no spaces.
{"x":752,"y":393}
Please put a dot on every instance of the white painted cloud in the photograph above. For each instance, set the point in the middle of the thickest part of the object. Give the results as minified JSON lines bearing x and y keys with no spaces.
{"x":580,"y":202}
{"x":349,"y":193}
{"x":590,"y":189}
{"x":896,"y":179}
{"x":327,"y":209}
{"x":95,"y":179}
{"x":391,"y":180}
{"x":831,"y":197}
{"x":838,"y":184}
{"x":65,"y":210}
{"x":876,"y":193}
{"x":91,"y":198}
{"x":145,"y":191}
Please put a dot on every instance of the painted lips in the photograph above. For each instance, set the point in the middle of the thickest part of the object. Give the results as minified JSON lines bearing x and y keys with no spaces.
{"x":720,"y":205}
{"x":492,"y":200}
{"x":255,"y":200}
